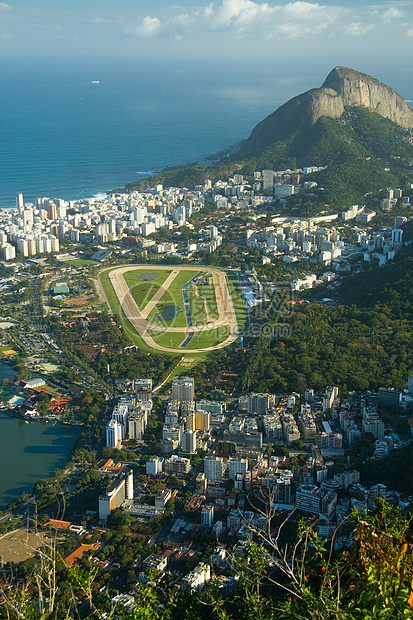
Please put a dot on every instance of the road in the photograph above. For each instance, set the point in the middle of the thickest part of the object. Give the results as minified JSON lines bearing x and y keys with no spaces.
{"x":226,"y":312}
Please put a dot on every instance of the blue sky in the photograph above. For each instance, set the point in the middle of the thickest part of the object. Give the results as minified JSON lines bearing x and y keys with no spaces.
{"x":235,"y":27}
{"x":376,"y":38}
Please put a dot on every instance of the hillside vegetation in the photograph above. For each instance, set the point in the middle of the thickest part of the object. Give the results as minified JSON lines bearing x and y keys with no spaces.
{"x":357,"y":148}
{"x":364,"y":342}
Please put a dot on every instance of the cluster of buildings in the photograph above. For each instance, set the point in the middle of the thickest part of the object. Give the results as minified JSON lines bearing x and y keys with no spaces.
{"x":188,"y":423}
{"x":241,"y":471}
{"x":130,"y":415}
{"x":238,"y":456}
{"x":131,"y":219}
{"x":296,"y":239}
{"x":122,"y":492}
{"x":306,"y":240}
{"x":393,"y":195}
{"x":32,"y":229}
{"x":382,"y":245}
{"x":37,"y":228}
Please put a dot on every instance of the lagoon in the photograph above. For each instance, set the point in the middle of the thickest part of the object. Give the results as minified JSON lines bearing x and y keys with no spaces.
{"x":168,"y":313}
{"x":30,"y":450}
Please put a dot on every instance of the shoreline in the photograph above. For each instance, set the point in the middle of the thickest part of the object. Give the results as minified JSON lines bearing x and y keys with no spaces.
{"x":206,"y":161}
{"x":31,"y":439}
{"x":29,"y":490}
{"x":20,"y":416}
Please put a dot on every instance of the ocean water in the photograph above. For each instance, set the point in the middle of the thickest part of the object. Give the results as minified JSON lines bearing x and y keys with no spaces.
{"x":63,"y":136}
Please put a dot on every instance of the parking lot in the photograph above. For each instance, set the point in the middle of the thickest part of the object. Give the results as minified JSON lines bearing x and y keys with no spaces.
{"x":21,"y":545}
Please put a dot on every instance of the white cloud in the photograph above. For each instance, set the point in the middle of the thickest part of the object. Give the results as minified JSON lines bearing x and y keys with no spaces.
{"x":233,"y":9}
{"x":391,"y":13}
{"x":356,"y":29}
{"x":410,"y":32}
{"x":391,"y":4}
{"x":149,"y":27}
{"x":209,"y":10}
{"x":243,"y":18}
{"x":4,"y":7}
{"x":290,"y":20}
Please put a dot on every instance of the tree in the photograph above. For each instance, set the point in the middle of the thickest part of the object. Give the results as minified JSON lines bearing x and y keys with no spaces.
{"x":23,"y":373}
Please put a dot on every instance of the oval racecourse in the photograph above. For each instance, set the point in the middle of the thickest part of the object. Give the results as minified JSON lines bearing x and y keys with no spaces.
{"x":198,"y":301}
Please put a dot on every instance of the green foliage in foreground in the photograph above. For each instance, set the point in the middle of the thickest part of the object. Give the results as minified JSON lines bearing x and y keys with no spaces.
{"x":308,"y":580}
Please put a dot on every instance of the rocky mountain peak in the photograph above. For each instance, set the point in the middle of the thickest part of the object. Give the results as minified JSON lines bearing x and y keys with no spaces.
{"x":342,"y":88}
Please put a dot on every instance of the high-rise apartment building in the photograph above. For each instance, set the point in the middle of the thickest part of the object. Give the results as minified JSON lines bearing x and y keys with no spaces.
{"x":113,"y":434}
{"x":267,"y":179}
{"x":117,"y":491}
{"x":198,"y":421}
{"x":143,"y":389}
{"x":188,"y":441}
{"x":258,"y":403}
{"x":136,"y":425}
{"x":207,"y":516}
{"x":214,"y":468}
{"x":236,"y":466}
{"x":183,"y":388}
{"x":52,"y":211}
{"x":154,"y":466}
{"x":19,"y":202}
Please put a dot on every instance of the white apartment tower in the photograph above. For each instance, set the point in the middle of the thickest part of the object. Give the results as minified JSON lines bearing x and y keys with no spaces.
{"x":214,"y":468}
{"x":19,"y":202}
{"x":154,"y":466}
{"x":237,"y":466}
{"x":207,"y":516}
{"x":188,"y":442}
{"x":8,"y":252}
{"x":55,"y":244}
{"x":183,"y":388}
{"x":120,"y":414}
{"x":136,"y":425}
{"x":113,"y":434}
{"x":22,"y":247}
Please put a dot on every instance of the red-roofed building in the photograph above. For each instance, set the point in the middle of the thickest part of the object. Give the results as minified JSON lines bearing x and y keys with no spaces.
{"x":57,"y":525}
{"x":78,"y":552}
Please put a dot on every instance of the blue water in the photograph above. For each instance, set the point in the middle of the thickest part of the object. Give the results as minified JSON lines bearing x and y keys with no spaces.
{"x":147,"y":276}
{"x":186,"y":302}
{"x":168,"y":313}
{"x":62,"y":136}
{"x":187,"y":339}
{"x":30,"y":450}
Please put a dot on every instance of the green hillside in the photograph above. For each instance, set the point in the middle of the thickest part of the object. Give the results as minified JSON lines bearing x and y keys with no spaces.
{"x":389,"y":286}
{"x":363,"y":342}
{"x":357,"y":148}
